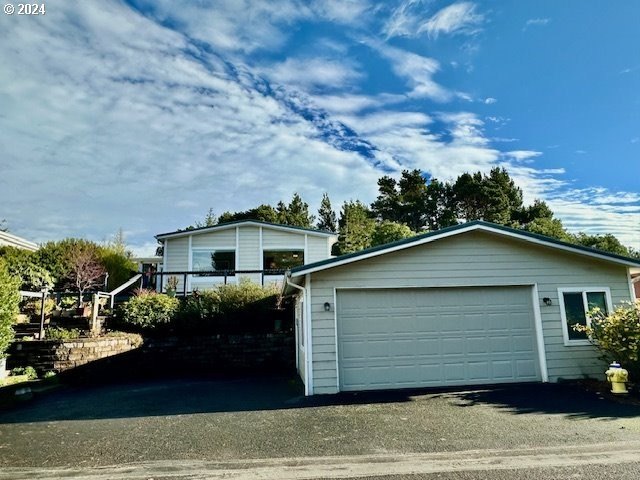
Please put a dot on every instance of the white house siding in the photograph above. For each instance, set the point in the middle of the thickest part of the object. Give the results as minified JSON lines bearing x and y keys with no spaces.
{"x":224,"y":239}
{"x":277,"y":239}
{"x":318,"y":248}
{"x":177,"y":259}
{"x":248,"y":254}
{"x":470,"y":259}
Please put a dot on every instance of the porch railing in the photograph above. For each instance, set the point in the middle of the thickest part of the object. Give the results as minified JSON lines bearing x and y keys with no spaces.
{"x":185,"y":276}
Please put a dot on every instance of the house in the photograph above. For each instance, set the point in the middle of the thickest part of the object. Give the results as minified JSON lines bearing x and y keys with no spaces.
{"x":472,"y":304}
{"x":148,"y":266}
{"x":256,"y":250}
{"x":8,"y":239}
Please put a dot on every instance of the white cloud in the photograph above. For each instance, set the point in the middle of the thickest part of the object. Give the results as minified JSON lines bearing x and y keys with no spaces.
{"x":314,"y":72}
{"x":131,"y":132}
{"x":523,"y":155}
{"x":412,"y":18}
{"x":457,"y":18}
{"x":404,"y":21}
{"x":536,"y":22}
{"x":489,"y":101}
{"x":418,"y":71}
{"x":123,"y":122}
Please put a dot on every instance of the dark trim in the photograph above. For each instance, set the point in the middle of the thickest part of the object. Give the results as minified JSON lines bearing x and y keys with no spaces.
{"x":239,"y":222}
{"x":417,"y":238}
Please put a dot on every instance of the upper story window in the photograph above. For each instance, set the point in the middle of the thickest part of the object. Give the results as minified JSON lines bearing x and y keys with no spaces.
{"x":281,"y":260}
{"x":575,"y":304}
{"x":206,"y":260}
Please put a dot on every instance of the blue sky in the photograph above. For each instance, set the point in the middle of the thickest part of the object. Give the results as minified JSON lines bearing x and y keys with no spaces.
{"x":143,"y":114}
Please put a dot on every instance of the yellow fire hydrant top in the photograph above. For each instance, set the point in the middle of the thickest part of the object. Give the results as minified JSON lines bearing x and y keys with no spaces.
{"x":618,"y":377}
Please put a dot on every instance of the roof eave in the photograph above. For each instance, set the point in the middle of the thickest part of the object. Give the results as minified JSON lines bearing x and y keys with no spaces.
{"x":289,"y":228}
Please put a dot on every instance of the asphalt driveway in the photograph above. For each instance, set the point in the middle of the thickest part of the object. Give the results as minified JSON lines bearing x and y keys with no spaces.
{"x":169,"y":423}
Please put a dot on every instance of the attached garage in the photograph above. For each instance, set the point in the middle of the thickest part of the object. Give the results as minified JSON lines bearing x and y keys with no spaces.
{"x":473,"y":304}
{"x":406,"y":338}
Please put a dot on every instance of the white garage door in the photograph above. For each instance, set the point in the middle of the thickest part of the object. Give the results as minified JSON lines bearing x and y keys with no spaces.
{"x":404,"y":338}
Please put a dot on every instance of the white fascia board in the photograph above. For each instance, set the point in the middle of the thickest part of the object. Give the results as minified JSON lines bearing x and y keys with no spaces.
{"x":435,"y":237}
{"x":16,"y":241}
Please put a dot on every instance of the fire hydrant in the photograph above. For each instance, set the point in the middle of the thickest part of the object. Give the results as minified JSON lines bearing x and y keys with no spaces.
{"x":618,"y":377}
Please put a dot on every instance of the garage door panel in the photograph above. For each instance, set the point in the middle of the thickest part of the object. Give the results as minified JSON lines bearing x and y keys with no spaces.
{"x":437,"y":336}
{"x":479,"y":370}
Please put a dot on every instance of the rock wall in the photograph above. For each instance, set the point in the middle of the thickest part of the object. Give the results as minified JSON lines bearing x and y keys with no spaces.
{"x":61,"y":355}
{"x":134,"y":356}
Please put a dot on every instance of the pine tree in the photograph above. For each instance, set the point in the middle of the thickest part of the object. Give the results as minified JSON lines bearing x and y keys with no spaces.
{"x":298,"y":213}
{"x":326,"y":216}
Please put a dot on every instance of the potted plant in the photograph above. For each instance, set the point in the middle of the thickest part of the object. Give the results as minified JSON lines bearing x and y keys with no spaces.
{"x":172,"y":286}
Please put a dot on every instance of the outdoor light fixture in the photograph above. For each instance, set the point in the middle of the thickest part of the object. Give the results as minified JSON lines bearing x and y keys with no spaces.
{"x":547,"y":301}
{"x":327,"y":307}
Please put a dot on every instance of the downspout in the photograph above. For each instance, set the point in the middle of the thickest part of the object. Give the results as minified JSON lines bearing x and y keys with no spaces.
{"x":307,"y":378}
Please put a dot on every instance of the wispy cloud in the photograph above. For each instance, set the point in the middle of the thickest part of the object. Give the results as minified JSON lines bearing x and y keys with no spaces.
{"x":525,"y":156}
{"x":459,"y":18}
{"x":314,"y":72}
{"x":536,"y":22}
{"x":418,"y":71}
{"x":152,"y":115}
{"x":412,"y":18}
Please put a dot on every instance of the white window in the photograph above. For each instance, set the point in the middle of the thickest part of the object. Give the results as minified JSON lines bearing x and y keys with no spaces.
{"x":209,"y":260}
{"x":575,"y":304}
{"x":280,"y":260}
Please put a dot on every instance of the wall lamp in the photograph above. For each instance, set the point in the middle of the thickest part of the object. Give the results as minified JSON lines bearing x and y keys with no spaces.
{"x":327,"y":307}
{"x":547,"y":301}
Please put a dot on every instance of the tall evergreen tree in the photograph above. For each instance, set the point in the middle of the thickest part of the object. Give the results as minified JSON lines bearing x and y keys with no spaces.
{"x":440,"y":205}
{"x":403,"y":201}
{"x":326,"y":216}
{"x":209,"y":220}
{"x":298,"y":213}
{"x":356,"y":227}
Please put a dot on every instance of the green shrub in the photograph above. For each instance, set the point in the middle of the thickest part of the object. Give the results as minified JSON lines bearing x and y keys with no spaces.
{"x":32,"y":307}
{"x":9,"y":306}
{"x":617,"y":335}
{"x":30,"y":372}
{"x":245,"y":296}
{"x":149,"y":310}
{"x":24,"y":265}
{"x":118,"y":264}
{"x":60,"y":333}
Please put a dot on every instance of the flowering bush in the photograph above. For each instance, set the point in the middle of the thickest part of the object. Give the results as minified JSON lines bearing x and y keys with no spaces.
{"x":617,"y":335}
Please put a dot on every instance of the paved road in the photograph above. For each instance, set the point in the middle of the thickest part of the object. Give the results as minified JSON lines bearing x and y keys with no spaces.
{"x":263,"y":429}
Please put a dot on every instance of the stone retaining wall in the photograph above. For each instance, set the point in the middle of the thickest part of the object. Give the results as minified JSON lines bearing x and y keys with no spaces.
{"x":61,"y":355}
{"x":133,"y":356}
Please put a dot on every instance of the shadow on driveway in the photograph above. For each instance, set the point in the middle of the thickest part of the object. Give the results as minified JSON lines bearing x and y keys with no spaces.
{"x":168,"y":397}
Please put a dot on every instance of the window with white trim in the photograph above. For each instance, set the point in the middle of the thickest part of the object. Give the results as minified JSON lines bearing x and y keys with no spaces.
{"x":207,"y":260}
{"x":575,"y":304}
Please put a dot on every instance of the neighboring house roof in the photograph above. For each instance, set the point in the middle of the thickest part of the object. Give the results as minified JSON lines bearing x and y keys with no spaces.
{"x":254,"y":223}
{"x":15,"y":241}
{"x":477,"y":225}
